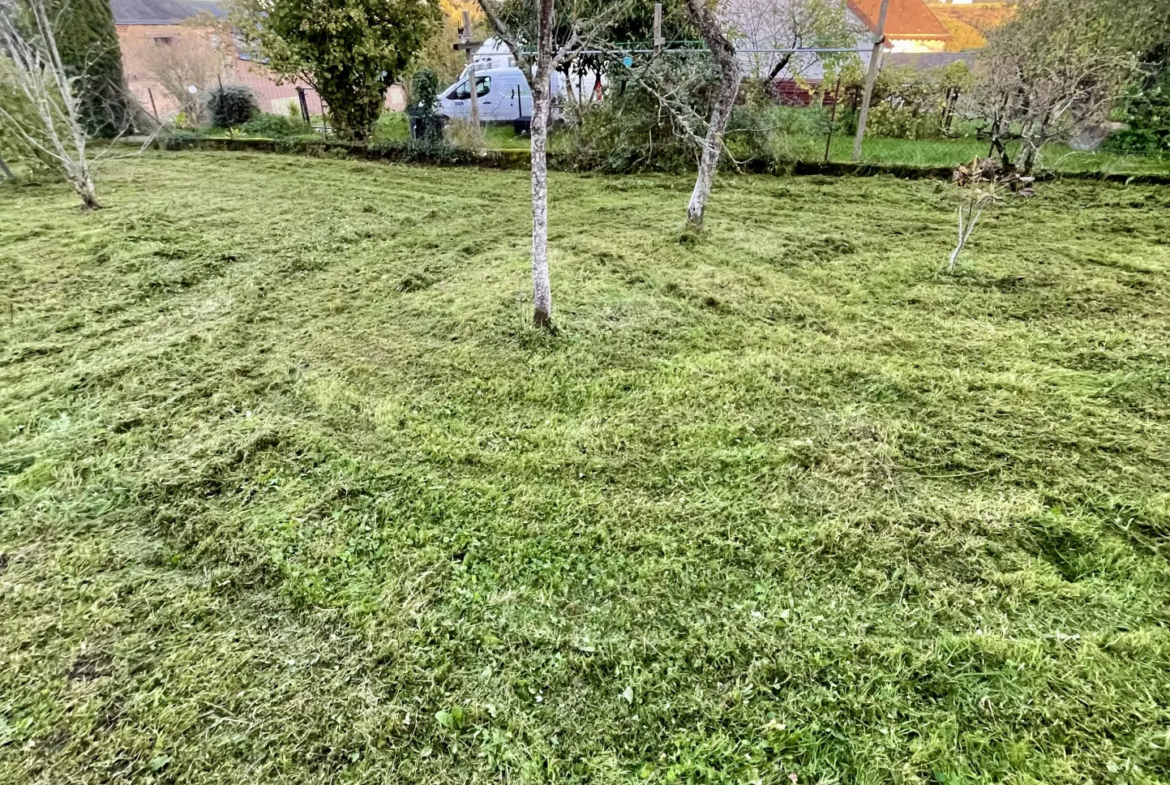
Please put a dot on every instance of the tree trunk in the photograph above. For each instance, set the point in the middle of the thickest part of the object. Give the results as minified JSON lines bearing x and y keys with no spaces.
{"x":83,"y":185}
{"x":541,"y":285}
{"x":724,"y":53}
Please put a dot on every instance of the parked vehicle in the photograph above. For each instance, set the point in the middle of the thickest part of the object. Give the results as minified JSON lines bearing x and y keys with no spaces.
{"x":503,"y":95}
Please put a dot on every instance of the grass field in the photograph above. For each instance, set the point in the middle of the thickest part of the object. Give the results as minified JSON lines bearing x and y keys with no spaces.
{"x":291,"y":493}
{"x":908,"y":152}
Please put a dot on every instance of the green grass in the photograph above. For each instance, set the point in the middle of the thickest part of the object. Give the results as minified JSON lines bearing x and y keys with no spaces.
{"x":952,"y":152}
{"x":290,"y":492}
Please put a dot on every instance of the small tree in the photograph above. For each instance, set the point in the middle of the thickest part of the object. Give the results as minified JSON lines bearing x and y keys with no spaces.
{"x":191,"y":60}
{"x":540,"y":48}
{"x":53,"y":129}
{"x":791,"y":24}
{"x":705,"y":17}
{"x":350,"y":51}
{"x":982,"y":183}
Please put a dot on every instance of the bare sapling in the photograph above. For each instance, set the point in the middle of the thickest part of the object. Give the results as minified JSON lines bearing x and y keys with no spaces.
{"x":982,"y":183}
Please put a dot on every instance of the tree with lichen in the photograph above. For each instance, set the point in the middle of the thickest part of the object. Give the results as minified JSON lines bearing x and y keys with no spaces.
{"x":1058,"y":66}
{"x":541,"y":46}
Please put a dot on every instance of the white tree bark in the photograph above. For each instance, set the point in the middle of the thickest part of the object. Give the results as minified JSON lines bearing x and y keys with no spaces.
{"x":541,"y":285}
{"x":538,"y":68}
{"x":41,"y":78}
{"x":730,"y":76}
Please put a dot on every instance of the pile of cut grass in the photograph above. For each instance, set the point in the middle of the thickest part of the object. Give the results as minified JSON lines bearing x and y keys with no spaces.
{"x":290,"y":492}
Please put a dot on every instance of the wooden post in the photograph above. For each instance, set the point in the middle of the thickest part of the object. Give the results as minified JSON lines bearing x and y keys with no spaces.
{"x":153,"y":108}
{"x":875,"y":63}
{"x":833,"y":117}
{"x":471,"y":86}
{"x":659,"y":40}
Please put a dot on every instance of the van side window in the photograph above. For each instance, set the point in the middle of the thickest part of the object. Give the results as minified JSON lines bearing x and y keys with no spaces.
{"x":483,"y":86}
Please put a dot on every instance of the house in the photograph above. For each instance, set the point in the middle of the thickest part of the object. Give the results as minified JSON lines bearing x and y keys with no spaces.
{"x":167,"y":55}
{"x":913,"y":36}
{"x":969,"y":21}
{"x":911,"y":26}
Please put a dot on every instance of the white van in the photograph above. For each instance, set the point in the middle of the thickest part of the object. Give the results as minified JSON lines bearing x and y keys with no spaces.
{"x":503,"y":93}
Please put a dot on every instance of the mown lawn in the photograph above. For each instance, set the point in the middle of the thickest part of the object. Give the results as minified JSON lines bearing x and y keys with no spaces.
{"x":290,"y":492}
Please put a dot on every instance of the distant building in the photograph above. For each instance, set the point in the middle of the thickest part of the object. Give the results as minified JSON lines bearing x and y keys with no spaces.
{"x":969,"y":21}
{"x":910,"y":25}
{"x":146,"y":25}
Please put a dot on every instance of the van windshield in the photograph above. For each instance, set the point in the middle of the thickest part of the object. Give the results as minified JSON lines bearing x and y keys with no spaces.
{"x":483,"y":86}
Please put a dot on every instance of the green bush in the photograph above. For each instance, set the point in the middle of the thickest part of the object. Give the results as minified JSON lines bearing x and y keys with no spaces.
{"x":911,"y":104}
{"x":14,"y":147}
{"x":274,"y":126}
{"x":630,"y":130}
{"x":231,"y":106}
{"x":424,"y":93}
{"x":88,"y":44}
{"x":761,"y":131}
{"x":423,"y":151}
{"x":1147,"y":112}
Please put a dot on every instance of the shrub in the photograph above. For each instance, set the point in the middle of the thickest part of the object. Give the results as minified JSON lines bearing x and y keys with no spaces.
{"x":423,"y":151}
{"x":88,"y":44}
{"x":231,"y":106}
{"x":1147,"y":112}
{"x":424,"y":93}
{"x":632,"y":130}
{"x":458,"y":133}
{"x":274,"y":126}
{"x":913,"y":104}
{"x":13,"y":145}
{"x":762,"y":131}
{"x":177,"y":140}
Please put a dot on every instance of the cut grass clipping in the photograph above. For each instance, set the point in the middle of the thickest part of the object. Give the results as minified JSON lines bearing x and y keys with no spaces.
{"x":291,"y":492}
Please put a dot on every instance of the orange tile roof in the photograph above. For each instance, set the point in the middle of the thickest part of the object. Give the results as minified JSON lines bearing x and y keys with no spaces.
{"x":969,"y":24}
{"x":907,"y":19}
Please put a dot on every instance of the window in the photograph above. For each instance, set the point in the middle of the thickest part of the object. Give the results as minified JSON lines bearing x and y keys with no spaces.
{"x":162,"y":40}
{"x":483,"y":86}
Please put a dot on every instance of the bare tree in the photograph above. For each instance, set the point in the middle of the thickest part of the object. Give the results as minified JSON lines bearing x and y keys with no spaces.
{"x":188,"y":60}
{"x":538,"y":66}
{"x":52,"y":128}
{"x":41,"y":79}
{"x":790,"y":24}
{"x":710,"y":27}
{"x":983,"y":183}
{"x":1058,"y":65}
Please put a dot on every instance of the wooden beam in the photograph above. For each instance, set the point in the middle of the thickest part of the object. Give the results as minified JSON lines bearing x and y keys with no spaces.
{"x":875,"y":64}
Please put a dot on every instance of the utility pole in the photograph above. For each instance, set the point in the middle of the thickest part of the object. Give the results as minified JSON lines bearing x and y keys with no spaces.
{"x":465,"y":38}
{"x":875,"y":64}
